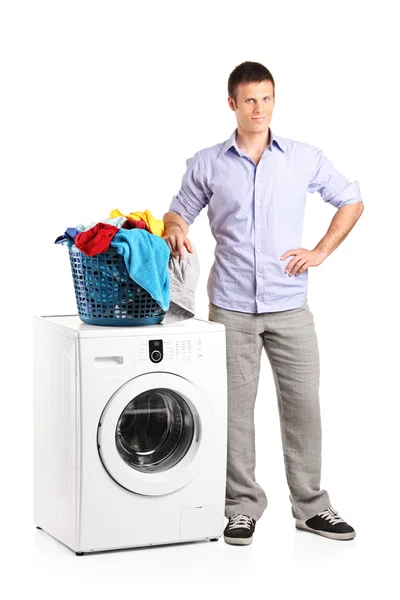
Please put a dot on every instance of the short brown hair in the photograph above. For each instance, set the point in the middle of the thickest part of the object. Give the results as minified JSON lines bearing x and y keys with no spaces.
{"x":248,"y":72}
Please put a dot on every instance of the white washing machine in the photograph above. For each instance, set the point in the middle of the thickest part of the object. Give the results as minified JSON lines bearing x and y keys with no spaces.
{"x":130,"y":432}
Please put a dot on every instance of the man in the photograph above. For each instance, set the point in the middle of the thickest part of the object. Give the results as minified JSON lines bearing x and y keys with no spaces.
{"x":255,"y":187}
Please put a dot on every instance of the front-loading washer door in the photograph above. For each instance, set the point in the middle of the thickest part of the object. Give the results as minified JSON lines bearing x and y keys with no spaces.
{"x":155,"y":433}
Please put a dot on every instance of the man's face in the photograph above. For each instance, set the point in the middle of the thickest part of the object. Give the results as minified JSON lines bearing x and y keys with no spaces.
{"x":254,"y":105}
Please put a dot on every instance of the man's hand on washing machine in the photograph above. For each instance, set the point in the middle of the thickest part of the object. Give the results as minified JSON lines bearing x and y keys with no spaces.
{"x":177,"y":242}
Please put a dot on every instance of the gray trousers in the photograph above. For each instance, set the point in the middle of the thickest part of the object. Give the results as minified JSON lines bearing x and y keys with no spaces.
{"x":290,"y":342}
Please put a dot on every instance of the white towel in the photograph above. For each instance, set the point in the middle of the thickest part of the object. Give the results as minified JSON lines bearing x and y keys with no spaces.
{"x":184,"y":277}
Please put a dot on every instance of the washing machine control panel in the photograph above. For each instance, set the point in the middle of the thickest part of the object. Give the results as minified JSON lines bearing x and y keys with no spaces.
{"x":156,"y":350}
{"x":182,"y":348}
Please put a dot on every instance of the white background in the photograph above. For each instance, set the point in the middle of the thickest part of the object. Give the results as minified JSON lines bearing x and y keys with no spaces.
{"x":101,"y":104}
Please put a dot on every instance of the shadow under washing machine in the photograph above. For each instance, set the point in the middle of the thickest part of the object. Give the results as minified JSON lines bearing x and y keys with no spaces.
{"x":130,"y":432}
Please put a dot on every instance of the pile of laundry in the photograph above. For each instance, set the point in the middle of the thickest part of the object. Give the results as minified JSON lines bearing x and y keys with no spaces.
{"x":137,"y":236}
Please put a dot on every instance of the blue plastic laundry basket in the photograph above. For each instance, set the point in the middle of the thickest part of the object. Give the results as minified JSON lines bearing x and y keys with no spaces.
{"x":106,"y":294}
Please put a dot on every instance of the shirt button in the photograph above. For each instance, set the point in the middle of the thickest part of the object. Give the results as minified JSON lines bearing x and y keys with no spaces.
{"x":258,"y":226}
{"x":258,"y":203}
{"x":258,"y":250}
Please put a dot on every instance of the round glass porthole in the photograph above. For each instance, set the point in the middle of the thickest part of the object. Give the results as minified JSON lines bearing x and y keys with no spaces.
{"x":155,"y":430}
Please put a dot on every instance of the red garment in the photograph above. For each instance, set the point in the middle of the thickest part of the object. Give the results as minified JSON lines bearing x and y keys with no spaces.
{"x":96,"y":240}
{"x":135,"y":224}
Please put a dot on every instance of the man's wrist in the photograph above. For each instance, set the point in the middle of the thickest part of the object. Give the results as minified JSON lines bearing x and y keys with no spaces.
{"x":323,"y":253}
{"x":170,"y":228}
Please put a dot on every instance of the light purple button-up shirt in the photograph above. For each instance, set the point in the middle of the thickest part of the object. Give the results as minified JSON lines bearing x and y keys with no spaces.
{"x":256,"y":214}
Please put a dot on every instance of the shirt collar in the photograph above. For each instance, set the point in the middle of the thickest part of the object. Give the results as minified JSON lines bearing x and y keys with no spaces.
{"x":231,"y":143}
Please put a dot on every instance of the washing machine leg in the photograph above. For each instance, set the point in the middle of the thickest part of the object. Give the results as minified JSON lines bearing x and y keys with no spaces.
{"x":214,"y":539}
{"x":79,"y":553}
{"x":37,"y":527}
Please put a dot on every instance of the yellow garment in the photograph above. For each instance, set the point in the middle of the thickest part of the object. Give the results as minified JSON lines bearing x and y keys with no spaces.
{"x":155,"y":226}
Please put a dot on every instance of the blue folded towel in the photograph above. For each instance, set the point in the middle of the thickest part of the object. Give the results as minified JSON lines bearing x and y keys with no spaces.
{"x":146,"y":257}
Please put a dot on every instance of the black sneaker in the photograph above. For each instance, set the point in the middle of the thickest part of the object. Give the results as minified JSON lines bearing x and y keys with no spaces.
{"x":329,"y":524}
{"x":239,"y":530}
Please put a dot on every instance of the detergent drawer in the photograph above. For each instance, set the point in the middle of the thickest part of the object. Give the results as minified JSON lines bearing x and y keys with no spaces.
{"x":106,"y":357}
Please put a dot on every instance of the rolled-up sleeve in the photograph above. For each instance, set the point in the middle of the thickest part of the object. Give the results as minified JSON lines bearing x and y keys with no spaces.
{"x":193,"y":195}
{"x":332,"y":185}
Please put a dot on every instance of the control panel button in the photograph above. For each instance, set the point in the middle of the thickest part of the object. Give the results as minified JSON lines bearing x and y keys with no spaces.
{"x":156,"y":356}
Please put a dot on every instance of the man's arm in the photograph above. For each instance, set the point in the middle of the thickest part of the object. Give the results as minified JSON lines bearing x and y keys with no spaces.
{"x":186,"y":205}
{"x":341,"y":225}
{"x":341,"y":193}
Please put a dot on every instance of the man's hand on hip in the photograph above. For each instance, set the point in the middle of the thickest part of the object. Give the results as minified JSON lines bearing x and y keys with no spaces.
{"x":302,"y":260}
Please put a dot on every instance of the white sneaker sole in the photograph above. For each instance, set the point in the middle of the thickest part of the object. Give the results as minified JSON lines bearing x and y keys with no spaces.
{"x":238,"y":541}
{"x":333,"y":536}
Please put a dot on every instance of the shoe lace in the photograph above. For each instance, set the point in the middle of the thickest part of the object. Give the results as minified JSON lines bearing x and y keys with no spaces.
{"x":237,"y":520}
{"x":331,"y":516}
